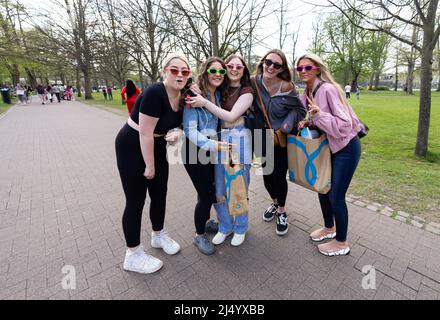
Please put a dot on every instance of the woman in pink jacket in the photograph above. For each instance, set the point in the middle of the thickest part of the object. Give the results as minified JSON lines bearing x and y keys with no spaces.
{"x":330,"y":112}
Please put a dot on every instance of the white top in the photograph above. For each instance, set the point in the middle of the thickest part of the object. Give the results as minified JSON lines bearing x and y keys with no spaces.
{"x":347,"y":88}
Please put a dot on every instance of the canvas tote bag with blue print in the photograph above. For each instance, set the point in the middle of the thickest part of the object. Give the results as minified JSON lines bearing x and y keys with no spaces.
{"x":236,"y":193}
{"x":310,"y":162}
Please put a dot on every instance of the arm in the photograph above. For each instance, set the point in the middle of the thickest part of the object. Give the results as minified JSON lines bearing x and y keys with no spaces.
{"x":294,"y":117}
{"x":335,"y":121}
{"x":190,"y":127}
{"x":240,"y":107}
{"x":147,"y":125}
{"x":123,"y":93}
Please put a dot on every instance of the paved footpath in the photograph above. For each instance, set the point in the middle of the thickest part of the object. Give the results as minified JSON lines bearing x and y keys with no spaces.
{"x":61,"y":203}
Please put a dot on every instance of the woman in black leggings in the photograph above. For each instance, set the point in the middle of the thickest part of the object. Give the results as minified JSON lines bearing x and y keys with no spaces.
{"x":142,"y":162}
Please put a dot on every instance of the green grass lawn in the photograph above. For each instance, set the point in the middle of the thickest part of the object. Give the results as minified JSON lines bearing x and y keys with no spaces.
{"x":4,"y":107}
{"x":99,"y":101}
{"x":389,"y":173}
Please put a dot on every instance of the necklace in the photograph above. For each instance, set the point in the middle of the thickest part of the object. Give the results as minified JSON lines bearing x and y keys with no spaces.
{"x":235,"y":92}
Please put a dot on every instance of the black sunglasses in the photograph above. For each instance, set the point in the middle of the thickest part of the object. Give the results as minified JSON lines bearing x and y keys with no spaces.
{"x":276,"y":65}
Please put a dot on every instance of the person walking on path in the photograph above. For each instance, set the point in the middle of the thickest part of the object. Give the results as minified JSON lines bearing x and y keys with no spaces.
{"x":284,"y":109}
{"x":347,"y":91}
{"x":21,"y":93}
{"x":358,"y":92}
{"x":330,"y":112}
{"x":143,"y":166}
{"x":200,"y":147}
{"x":129,"y":94}
{"x":109,"y":93}
{"x":41,"y":93}
{"x":239,"y":100}
{"x":104,"y":92}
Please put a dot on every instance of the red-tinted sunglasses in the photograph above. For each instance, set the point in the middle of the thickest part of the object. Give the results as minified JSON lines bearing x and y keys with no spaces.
{"x":175,"y":71}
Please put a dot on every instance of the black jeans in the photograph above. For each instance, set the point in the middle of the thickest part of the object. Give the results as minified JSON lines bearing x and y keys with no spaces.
{"x":131,"y":167}
{"x":202,"y":177}
{"x":276,"y":183}
{"x":333,"y":205}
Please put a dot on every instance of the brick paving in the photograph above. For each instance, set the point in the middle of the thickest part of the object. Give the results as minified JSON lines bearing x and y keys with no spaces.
{"x":61,"y":204}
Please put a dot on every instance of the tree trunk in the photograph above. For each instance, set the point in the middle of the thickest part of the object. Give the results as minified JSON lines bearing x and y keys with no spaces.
{"x":14,"y":72}
{"x":410,"y":77}
{"x":31,"y":77}
{"x":78,"y":82}
{"x":376,"y":80}
{"x":87,"y":85}
{"x":425,"y":97}
{"x":370,"y":83}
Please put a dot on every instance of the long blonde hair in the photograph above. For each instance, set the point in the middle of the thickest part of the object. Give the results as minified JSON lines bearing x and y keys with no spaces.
{"x":324,"y":74}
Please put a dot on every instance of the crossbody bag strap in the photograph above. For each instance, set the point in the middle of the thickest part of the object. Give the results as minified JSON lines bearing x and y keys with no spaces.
{"x":263,"y":107}
{"x":317,"y":88}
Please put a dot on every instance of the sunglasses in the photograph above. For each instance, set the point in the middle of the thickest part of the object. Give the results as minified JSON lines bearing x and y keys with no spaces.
{"x":216,"y":71}
{"x":306,"y":68}
{"x":276,"y":65}
{"x":176,"y":71}
{"x":236,"y":66}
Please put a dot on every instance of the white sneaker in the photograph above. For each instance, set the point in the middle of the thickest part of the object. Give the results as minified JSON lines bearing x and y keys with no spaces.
{"x":163,"y":241}
{"x":219,"y":238}
{"x":238,"y":239}
{"x":139,"y":261}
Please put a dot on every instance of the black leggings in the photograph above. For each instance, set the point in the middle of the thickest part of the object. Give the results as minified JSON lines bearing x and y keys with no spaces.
{"x":202,"y":177}
{"x":131,"y":167}
{"x":276,"y":183}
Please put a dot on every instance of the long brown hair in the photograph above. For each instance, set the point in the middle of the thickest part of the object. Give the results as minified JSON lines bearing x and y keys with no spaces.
{"x":285,"y":74}
{"x":203,"y":78}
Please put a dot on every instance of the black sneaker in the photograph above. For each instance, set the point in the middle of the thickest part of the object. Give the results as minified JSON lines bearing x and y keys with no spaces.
{"x":211,"y":226}
{"x":282,"y":225}
{"x":269,"y":214}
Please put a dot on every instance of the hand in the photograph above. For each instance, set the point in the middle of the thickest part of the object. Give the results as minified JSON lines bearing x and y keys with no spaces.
{"x":197,"y":101}
{"x":149,"y":172}
{"x":313,"y":107}
{"x":223,"y":146}
{"x":195,"y":88}
{"x":173,"y":136}
{"x":303,"y":124}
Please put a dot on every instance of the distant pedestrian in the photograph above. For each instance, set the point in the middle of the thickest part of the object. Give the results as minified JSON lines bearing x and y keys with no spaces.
{"x":104,"y":92}
{"x":40,"y":92}
{"x":56,"y":91}
{"x":110,"y":93}
{"x":347,"y":91}
{"x":20,"y":91}
{"x":129,"y":94}
{"x":68,"y":93}
{"x":358,"y":92}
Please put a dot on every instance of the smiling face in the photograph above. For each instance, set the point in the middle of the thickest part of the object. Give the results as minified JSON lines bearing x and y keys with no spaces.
{"x":176,"y":74}
{"x":215,"y":80}
{"x":308,"y":76}
{"x":270,"y":66}
{"x":235,"y":70}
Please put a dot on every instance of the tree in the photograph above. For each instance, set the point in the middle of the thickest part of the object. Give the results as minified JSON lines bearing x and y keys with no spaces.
{"x":216,"y":27}
{"x":113,"y":54}
{"x":391,"y":17}
{"x":377,"y":55}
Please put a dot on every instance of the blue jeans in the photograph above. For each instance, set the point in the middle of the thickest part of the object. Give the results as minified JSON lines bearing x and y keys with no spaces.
{"x":240,"y":138}
{"x":333,"y":205}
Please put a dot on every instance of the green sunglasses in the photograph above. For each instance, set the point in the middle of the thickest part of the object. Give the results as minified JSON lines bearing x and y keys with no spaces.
{"x":216,"y":71}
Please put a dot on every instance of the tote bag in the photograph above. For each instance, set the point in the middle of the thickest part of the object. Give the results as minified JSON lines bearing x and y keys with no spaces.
{"x":236,"y":194}
{"x":310,"y":162}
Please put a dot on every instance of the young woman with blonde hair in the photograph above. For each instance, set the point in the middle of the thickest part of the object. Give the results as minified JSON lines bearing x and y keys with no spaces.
{"x":330,"y":112}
